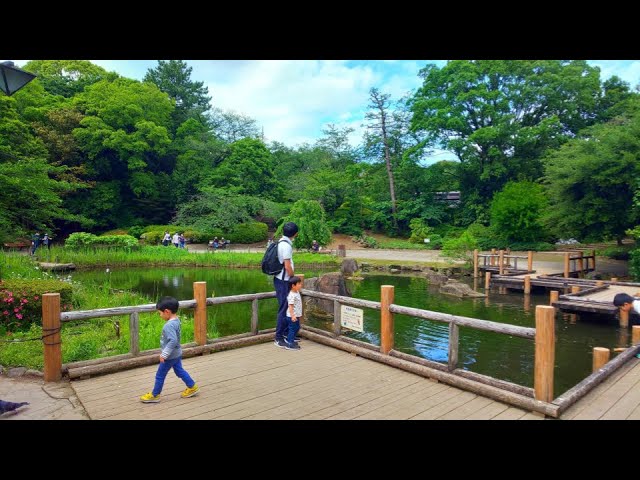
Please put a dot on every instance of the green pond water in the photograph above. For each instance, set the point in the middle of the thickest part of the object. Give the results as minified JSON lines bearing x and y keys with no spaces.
{"x":500,"y":356}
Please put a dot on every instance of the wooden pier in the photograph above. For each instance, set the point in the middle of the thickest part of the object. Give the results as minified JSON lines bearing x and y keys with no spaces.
{"x":580,"y":295}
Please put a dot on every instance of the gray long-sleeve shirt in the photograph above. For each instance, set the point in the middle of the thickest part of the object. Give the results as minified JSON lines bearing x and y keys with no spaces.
{"x":170,"y":339}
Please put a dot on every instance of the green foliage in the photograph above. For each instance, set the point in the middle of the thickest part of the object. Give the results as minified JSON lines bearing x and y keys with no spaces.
{"x":500,"y":116}
{"x":617,"y":253}
{"x":21,"y":300}
{"x":419,"y":230}
{"x":83,"y":240}
{"x":461,"y":247}
{"x":367,"y":241}
{"x":135,"y":231}
{"x":310,"y":218}
{"x":66,"y":77}
{"x":250,"y":232}
{"x":634,"y":264}
{"x":516,"y":211}
{"x":591,"y":182}
{"x":174,"y":78}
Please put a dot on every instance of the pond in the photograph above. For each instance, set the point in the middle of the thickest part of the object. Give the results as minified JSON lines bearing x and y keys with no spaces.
{"x":500,"y":356}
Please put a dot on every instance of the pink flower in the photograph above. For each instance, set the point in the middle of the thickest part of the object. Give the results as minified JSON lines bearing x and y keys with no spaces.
{"x":5,"y":312}
{"x":36,"y":297}
{"x":19,"y":316}
{"x":24,"y":300}
{"x":16,"y":310}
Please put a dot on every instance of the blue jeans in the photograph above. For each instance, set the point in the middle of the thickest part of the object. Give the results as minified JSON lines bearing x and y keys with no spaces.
{"x":163,"y":369}
{"x":293,"y":329}
{"x":282,"y":324}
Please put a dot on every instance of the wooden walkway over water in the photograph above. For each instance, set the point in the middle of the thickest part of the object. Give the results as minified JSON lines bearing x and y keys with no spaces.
{"x":266,"y":382}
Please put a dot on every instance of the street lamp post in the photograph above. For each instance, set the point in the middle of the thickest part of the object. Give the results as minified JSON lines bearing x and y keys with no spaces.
{"x":12,"y":78}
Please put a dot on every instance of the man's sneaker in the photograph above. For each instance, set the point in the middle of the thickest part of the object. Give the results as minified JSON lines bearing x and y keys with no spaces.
{"x":295,"y":346}
{"x":280,"y":343}
{"x":150,"y":398}
{"x":295,"y":340}
{"x":190,"y":392}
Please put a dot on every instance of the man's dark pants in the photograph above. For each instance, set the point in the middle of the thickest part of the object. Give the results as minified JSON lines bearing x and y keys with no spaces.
{"x":282,"y":325}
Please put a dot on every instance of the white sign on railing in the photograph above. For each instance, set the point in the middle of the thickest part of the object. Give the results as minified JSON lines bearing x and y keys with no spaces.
{"x":352,"y":318}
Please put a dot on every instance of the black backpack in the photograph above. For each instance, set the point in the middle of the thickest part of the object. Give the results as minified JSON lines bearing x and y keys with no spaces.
{"x":270,"y":263}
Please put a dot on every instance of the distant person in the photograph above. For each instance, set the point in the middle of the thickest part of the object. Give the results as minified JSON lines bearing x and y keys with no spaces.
{"x":181,"y":240}
{"x":294,"y":312}
{"x":35,"y":242}
{"x":176,"y":240}
{"x":281,"y":280}
{"x":171,"y":352}
{"x":46,"y":241}
{"x":626,"y":303}
{"x":166,"y":239}
{"x":315,"y":247}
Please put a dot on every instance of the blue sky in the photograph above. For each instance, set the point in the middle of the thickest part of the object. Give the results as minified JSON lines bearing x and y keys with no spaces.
{"x":294,"y":99}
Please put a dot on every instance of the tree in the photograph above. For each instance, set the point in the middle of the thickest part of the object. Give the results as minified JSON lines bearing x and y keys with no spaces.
{"x":247,"y":170}
{"x":500,"y":117}
{"x":231,"y":126}
{"x":67,"y":77}
{"x":310,"y":218}
{"x":29,"y":193}
{"x":174,"y":78}
{"x":381,"y":123}
{"x":517,"y":210}
{"x":591,"y":181}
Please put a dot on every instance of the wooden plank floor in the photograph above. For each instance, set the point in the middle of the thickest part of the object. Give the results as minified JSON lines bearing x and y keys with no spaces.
{"x":267,"y":382}
{"x":617,"y":398}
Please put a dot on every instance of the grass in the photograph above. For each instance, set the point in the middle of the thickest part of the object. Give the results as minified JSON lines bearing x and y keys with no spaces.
{"x":88,"y":339}
{"x":158,"y":255}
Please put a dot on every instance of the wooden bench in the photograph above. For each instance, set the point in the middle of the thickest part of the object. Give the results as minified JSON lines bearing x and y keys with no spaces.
{"x":17,"y":245}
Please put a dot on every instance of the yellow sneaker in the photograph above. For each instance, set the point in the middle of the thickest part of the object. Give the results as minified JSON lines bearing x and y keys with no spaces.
{"x":149,"y":398}
{"x":190,"y":392}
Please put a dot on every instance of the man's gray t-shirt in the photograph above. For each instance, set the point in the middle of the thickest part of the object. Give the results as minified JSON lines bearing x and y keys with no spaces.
{"x":285,"y":251}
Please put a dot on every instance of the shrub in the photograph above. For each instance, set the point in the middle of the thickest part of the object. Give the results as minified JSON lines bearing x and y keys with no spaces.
{"x":83,"y":240}
{"x":21,"y":301}
{"x":136,"y":231}
{"x":419,"y":230}
{"x":617,"y":253}
{"x":460,"y":247}
{"x":250,"y":232}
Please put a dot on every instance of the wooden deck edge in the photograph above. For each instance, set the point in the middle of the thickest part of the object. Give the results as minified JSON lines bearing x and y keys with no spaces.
{"x":574,"y":394}
{"x":149,"y":359}
{"x":352,"y":341}
{"x":463,"y":383}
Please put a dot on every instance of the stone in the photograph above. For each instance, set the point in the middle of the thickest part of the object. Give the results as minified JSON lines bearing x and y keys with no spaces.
{"x":34,"y":373}
{"x":16,"y":372}
{"x":459,"y":289}
{"x":349,"y":266}
{"x":333,"y":283}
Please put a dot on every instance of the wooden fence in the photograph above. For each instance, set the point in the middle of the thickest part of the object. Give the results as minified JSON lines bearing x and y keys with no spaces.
{"x":539,"y":399}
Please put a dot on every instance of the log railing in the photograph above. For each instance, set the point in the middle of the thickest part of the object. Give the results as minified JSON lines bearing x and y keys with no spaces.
{"x":543,"y":334}
{"x":537,"y":398}
{"x":52,"y":319}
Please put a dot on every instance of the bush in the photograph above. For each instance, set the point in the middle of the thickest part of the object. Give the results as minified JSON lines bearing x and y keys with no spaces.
{"x":136,"y":231}
{"x":250,"y":232}
{"x":460,"y":247}
{"x":83,"y":240}
{"x":617,"y":253}
{"x":21,"y":301}
{"x":634,"y":263}
{"x":419,"y":230}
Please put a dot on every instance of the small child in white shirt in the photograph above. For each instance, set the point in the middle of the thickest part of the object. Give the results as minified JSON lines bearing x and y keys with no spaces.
{"x":294,"y":312}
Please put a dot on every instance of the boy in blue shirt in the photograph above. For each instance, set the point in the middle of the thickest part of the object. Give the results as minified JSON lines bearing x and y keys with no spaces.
{"x":171,"y":354}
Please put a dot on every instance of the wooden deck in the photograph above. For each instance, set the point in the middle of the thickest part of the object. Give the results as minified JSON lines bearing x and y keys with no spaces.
{"x":617,"y":398}
{"x":266,"y":382}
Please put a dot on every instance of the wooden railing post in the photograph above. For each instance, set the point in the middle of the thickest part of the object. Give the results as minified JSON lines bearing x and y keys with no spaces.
{"x":580,"y":264}
{"x":487,"y":280}
{"x":501,"y":262}
{"x":200,"y":314}
{"x":453,"y":346}
{"x":51,"y":337}
{"x":553,"y":296}
{"x":600,"y":357}
{"x":386,"y":318}
{"x":566,"y":264}
{"x":544,"y":353}
{"x":337,"y":327}
{"x":530,"y":261}
{"x":593,"y":252}
{"x":254,"y":316}
{"x":527,"y":284}
{"x":134,"y":333}
{"x":301,"y":320}
{"x":493,"y":258}
{"x":624,"y":318}
{"x":575,"y":289}
{"x":475,"y":263}
{"x":635,"y":335}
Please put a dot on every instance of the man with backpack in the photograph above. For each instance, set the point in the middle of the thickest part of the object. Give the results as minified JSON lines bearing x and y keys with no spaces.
{"x":282,"y":269}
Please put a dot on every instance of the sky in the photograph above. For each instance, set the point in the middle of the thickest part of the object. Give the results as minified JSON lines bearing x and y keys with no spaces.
{"x":293,"y":100}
